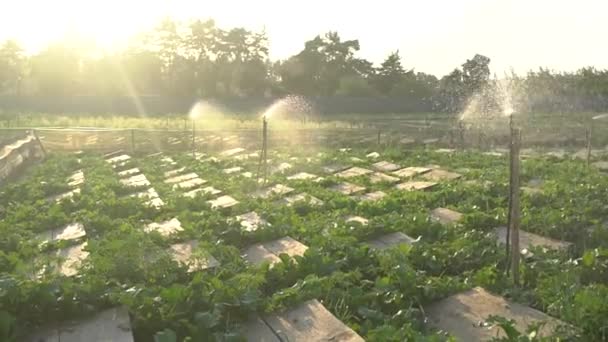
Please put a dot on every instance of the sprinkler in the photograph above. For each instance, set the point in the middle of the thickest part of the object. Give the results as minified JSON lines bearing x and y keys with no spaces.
{"x":513,"y":218}
{"x":193,"y":139}
{"x":589,"y":133}
{"x":263,"y":164}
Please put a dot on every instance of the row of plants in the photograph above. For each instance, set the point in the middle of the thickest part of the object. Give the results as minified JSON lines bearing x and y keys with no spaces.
{"x":381,"y":295}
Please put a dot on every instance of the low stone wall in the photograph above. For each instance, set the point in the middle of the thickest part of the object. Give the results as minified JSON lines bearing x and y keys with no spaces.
{"x":18,"y":154}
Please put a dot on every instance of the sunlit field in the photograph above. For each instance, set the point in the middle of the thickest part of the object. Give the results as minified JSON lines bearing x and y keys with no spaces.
{"x":263,"y":171}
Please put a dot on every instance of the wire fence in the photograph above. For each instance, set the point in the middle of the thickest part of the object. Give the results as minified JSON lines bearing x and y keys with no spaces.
{"x":483,"y":135}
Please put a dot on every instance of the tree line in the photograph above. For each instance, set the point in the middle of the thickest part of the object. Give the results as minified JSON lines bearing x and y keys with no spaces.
{"x":198,"y":59}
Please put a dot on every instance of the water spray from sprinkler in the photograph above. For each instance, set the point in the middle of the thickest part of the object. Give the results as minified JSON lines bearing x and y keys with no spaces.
{"x":263,"y":164}
{"x":589,"y":133}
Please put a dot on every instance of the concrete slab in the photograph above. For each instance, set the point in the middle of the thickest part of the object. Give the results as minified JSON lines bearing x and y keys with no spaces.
{"x":347,"y":189}
{"x":463,"y":314}
{"x":560,"y":154}
{"x":129,"y":172}
{"x":302,"y":176}
{"x":223,"y":202}
{"x":113,"y":154}
{"x":165,"y":228}
{"x":281,"y":168}
{"x":167,"y":161}
{"x":357,"y":219}
{"x":371,"y":196}
{"x":445,"y":216}
{"x":601,"y":165}
{"x":438,"y":175}
{"x":119,"y":159}
{"x":148,"y":194}
{"x":135,"y":181}
{"x":258,"y":254}
{"x":493,"y":154}
{"x":64,"y":196}
{"x":70,"y":232}
{"x":275,"y":190}
{"x":373,"y":155}
{"x":530,"y":191}
{"x":188,"y":254}
{"x":231,"y":152}
{"x":528,"y":240}
{"x":232,"y":170}
{"x":333,"y":168}
{"x":411,"y":171}
{"x":379,"y":177}
{"x":155,"y":203}
{"x":176,"y":172}
{"x":415,"y":186}
{"x":285,"y":245}
{"x":109,"y":325}
{"x":71,"y":259}
{"x":189,"y":184}
{"x":385,"y":166}
{"x":407,"y":141}
{"x":255,"y":330}
{"x":251,"y":221}
{"x":390,"y":240}
{"x":310,"y":321}
{"x":209,"y":190}
{"x":246,"y":156}
{"x":303,"y":197}
{"x":76,"y":179}
{"x":181,"y":178}
{"x":353,"y":172}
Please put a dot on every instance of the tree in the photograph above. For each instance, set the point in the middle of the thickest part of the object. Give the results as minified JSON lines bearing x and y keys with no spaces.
{"x":56,"y":70}
{"x":318,"y":69}
{"x":12,"y":67}
{"x":452,"y":93}
{"x":476,"y":74}
{"x":389,"y":74}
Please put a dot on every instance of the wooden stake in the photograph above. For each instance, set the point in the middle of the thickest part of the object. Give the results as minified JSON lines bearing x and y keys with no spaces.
{"x":515,"y":205}
{"x":193,"y":140}
{"x":39,"y":142}
{"x":589,"y":145}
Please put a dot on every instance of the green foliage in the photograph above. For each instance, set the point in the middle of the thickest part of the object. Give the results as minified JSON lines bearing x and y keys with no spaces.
{"x":380,"y":294}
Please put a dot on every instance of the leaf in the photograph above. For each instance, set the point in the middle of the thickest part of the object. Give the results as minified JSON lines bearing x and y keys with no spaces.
{"x":589,"y":258}
{"x":207,"y":319}
{"x":166,"y":335}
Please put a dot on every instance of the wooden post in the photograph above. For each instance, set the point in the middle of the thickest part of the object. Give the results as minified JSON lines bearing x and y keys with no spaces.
{"x":39,"y":142}
{"x":461,"y":130}
{"x":193,"y":140}
{"x":589,"y":144}
{"x":514,"y":213}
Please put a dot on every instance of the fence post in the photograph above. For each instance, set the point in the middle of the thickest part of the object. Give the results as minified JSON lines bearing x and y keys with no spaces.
{"x":588,"y":134}
{"x":515,"y":206}
{"x":39,"y":142}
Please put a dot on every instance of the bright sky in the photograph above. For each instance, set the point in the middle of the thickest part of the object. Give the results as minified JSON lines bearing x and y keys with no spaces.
{"x":433,"y":36}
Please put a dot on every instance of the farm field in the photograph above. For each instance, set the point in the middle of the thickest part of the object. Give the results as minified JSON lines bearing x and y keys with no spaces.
{"x":348,"y":243}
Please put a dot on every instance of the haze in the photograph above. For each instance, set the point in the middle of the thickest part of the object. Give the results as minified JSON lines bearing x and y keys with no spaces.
{"x":432,"y":36}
